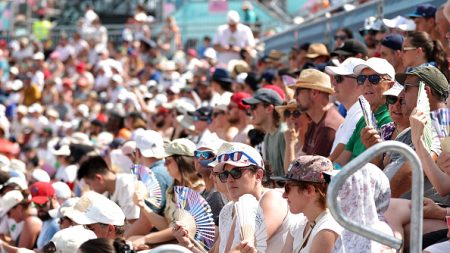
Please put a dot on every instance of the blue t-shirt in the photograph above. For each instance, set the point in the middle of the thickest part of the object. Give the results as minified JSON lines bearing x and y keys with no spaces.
{"x":49,"y":228}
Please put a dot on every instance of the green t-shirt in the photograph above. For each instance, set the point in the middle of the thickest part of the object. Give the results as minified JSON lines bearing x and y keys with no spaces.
{"x":355,"y":145}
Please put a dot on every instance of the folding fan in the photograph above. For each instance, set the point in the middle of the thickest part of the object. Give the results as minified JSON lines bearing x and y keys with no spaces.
{"x":424,"y":104}
{"x":195,"y":213}
{"x":250,"y":221}
{"x":146,"y":176}
{"x":441,"y":122}
{"x":369,"y":117}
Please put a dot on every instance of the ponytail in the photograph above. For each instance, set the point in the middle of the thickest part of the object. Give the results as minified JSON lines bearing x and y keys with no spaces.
{"x":440,"y":57}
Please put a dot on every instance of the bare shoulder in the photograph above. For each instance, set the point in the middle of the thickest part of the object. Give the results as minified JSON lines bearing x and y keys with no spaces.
{"x":273,"y":197}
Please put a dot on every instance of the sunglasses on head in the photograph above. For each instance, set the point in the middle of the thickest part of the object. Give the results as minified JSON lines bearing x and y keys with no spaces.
{"x":204,"y":154}
{"x":234,"y":157}
{"x":373,"y":79}
{"x":391,"y":100}
{"x":235,"y":173}
{"x":294,"y":113}
{"x":340,"y":79}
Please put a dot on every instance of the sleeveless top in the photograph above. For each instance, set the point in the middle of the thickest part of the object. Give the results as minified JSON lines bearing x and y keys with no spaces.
{"x":273,"y":244}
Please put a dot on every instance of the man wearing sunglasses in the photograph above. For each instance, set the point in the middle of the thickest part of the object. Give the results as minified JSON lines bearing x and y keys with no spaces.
{"x":312,"y":92}
{"x":347,"y":92}
{"x":265,"y":117}
{"x":202,"y":122}
{"x":376,"y":76}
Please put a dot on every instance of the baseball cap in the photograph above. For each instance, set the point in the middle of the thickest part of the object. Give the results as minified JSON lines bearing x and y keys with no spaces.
{"x":70,"y":239}
{"x":424,"y":11}
{"x":379,"y":65}
{"x":95,"y":208}
{"x":394,"y":90}
{"x":41,"y":192}
{"x":10,"y":200}
{"x":393,"y":41}
{"x":317,"y":49}
{"x":432,"y":76}
{"x":345,"y":68}
{"x":401,"y":23}
{"x":150,"y":143}
{"x":61,"y":210}
{"x":20,"y":182}
{"x":233,"y":17}
{"x":238,"y":98}
{"x":351,"y":47}
{"x":203,"y":113}
{"x":62,"y":151}
{"x":264,"y":95}
{"x":307,"y":168}
{"x":237,"y":154}
{"x":40,"y":175}
{"x":180,"y":146}
{"x":62,"y":190}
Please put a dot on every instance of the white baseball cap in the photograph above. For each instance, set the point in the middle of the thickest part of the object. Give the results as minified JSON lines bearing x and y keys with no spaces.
{"x":95,"y":208}
{"x":10,"y":200}
{"x":400,"y":22}
{"x":345,"y":68}
{"x":62,"y":151}
{"x":70,"y":239}
{"x":150,"y":143}
{"x":62,"y":190}
{"x":394,"y":90}
{"x":21,"y":182}
{"x":233,"y":17}
{"x":61,"y":210}
{"x":40,"y":175}
{"x":237,"y":154}
{"x":379,"y":65}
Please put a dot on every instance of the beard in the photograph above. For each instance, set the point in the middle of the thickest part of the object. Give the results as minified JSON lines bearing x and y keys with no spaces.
{"x":233,"y":120}
{"x":43,"y":215}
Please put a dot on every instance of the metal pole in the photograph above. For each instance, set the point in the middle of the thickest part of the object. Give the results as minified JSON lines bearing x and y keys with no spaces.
{"x":333,"y":202}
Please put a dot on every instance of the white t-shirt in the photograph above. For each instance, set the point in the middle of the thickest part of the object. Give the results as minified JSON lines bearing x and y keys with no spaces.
{"x":123,"y":195}
{"x":242,"y":37}
{"x":67,"y":174}
{"x":10,"y":227}
{"x":347,"y":128}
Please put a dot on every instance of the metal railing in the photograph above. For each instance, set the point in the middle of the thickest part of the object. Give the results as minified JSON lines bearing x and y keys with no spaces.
{"x":333,"y":201}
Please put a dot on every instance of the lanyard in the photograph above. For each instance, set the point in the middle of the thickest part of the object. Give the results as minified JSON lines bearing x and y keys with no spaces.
{"x":308,"y":234}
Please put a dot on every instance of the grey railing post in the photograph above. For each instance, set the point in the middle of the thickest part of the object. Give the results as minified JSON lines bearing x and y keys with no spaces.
{"x":336,"y":183}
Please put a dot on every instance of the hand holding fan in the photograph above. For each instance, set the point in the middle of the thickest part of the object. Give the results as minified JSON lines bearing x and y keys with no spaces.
{"x":251,"y":222}
{"x":195,"y":213}
{"x":441,"y":122}
{"x":148,"y":178}
{"x":367,"y":112}
{"x":424,"y":104}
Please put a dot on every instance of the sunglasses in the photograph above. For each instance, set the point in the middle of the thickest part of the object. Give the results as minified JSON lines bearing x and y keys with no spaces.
{"x":408,"y":49}
{"x":406,"y":86}
{"x":288,"y":187}
{"x":235,"y":173}
{"x":373,"y":79}
{"x":294,"y":113}
{"x":253,"y":107}
{"x":197,"y":118}
{"x":41,"y":205}
{"x":235,"y":157}
{"x":205,"y":154}
{"x":340,"y":37}
{"x":340,"y":79}
{"x":391,"y":100}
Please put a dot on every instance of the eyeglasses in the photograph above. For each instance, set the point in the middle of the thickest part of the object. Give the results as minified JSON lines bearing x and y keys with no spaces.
{"x":294,"y":113}
{"x":235,"y":157}
{"x":205,"y":154}
{"x":235,"y":173}
{"x":340,"y":79}
{"x":406,"y":86}
{"x":44,"y":205}
{"x":215,"y":114}
{"x":408,"y":49}
{"x":391,"y":100}
{"x":253,"y":107}
{"x":340,"y":37}
{"x":373,"y":79}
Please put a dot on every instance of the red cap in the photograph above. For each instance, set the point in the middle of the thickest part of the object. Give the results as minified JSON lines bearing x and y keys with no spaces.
{"x":238,"y":97}
{"x":81,"y":67}
{"x":277,"y":90}
{"x":192,"y":52}
{"x":41,"y":191}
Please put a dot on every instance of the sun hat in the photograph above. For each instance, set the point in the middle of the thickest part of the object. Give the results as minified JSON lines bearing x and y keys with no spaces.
{"x":181,"y":146}
{"x":94,"y":208}
{"x":70,"y":239}
{"x":150,"y":143}
{"x":237,"y":154}
{"x":379,"y":65}
{"x":41,"y":192}
{"x":10,"y":200}
{"x":307,"y":168}
{"x":395,"y":90}
{"x":264,"y":95}
{"x":316,"y":49}
{"x":315,"y":80}
{"x":345,"y":68}
{"x":61,"y":210}
{"x":291,"y":104}
{"x":432,"y":77}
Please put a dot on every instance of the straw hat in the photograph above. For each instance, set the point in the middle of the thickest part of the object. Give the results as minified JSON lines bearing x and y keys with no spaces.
{"x":291,"y":104}
{"x":315,"y":80}
{"x":317,"y":49}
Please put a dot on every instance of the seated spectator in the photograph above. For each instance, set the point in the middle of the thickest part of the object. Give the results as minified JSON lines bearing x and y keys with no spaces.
{"x":425,"y":18}
{"x":341,"y":35}
{"x":391,"y":50}
{"x":350,"y":48}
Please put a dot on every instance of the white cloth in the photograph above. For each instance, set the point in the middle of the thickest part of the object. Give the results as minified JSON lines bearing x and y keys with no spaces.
{"x":242,"y":37}
{"x":443,"y":247}
{"x":296,"y":228}
{"x":67,"y":174}
{"x":364,"y":198}
{"x":123,"y":195}
{"x":347,"y":128}
{"x":10,"y":227}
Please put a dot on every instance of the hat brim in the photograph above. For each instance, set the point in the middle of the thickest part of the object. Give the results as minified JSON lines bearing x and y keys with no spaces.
{"x":337,"y":70}
{"x":414,"y":15}
{"x":149,"y":153}
{"x":281,"y":179}
{"x":79,"y":217}
{"x":312,"y":87}
{"x":401,"y":77}
{"x":54,"y":213}
{"x":251,"y":101}
{"x":39,"y":199}
{"x":341,"y":52}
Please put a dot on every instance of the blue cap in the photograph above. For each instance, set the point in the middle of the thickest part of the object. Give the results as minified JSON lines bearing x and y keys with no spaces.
{"x":424,"y":11}
{"x":393,"y":41}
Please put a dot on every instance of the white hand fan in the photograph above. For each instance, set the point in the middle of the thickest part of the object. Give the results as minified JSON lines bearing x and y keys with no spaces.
{"x":250,"y":220}
{"x":146,"y":176}
{"x":195,"y":213}
{"x":367,"y":112}
{"x":424,"y":104}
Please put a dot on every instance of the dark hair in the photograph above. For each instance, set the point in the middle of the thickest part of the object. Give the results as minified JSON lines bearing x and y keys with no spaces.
{"x":320,"y":188}
{"x":347,"y":32}
{"x":189,"y":174}
{"x":106,"y":245}
{"x":91,"y":166}
{"x":276,"y":117}
{"x":433,"y":49}
{"x":4,"y":176}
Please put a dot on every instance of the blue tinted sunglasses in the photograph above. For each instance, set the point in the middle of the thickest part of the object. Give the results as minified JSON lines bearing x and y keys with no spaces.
{"x":204,"y":154}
